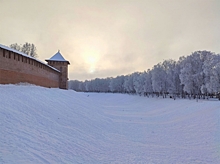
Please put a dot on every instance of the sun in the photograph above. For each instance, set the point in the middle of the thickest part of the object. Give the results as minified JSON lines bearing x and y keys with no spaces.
{"x":92,"y":70}
{"x":91,"y":57}
{"x":92,"y":53}
{"x":92,"y":62}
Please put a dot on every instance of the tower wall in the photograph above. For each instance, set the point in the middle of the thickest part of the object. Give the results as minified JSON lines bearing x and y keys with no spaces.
{"x":62,"y":66}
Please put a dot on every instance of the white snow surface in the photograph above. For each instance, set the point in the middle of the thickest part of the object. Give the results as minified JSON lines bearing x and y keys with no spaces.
{"x":42,"y":125}
{"x":57,"y":57}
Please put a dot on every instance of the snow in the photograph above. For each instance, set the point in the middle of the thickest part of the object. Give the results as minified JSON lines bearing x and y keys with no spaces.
{"x":27,"y":56}
{"x":42,"y":125}
{"x":57,"y":57}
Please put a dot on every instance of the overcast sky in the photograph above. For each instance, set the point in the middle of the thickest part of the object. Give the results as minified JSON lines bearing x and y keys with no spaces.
{"x":106,"y":38}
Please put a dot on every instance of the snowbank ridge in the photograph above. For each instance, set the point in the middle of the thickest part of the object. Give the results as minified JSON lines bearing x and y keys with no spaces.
{"x":41,"y":125}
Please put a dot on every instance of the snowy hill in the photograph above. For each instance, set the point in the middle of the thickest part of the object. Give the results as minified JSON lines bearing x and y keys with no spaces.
{"x":41,"y":125}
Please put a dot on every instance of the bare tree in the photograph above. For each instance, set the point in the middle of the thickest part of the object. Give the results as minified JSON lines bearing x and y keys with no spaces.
{"x":27,"y":48}
{"x":15,"y":46}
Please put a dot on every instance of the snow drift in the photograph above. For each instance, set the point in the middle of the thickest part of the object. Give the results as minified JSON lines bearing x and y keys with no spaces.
{"x":41,"y":125}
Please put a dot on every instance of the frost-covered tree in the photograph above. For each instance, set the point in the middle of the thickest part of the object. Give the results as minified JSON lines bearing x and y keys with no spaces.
{"x":197,"y":74}
{"x":158,"y":79}
{"x":82,"y":87}
{"x":138,"y":81}
{"x":95,"y":85}
{"x":74,"y":85}
{"x":172,"y":81}
{"x":116,"y":84}
{"x":169,"y":68}
{"x":164,"y":77}
{"x":128,"y":84}
{"x":176,"y":88}
{"x":210,"y":69}
{"x":215,"y":78}
{"x":191,"y":74}
{"x":101,"y":85}
{"x":148,"y":89}
{"x":87,"y":86}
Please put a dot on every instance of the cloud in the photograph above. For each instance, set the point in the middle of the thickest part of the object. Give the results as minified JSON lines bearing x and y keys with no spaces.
{"x":104,"y":38}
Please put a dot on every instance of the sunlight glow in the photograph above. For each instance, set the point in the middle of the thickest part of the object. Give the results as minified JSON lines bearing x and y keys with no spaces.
{"x":91,"y":56}
{"x":92,"y":70}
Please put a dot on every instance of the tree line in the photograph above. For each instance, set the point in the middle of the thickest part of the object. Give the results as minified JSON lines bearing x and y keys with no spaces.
{"x":194,"y":76}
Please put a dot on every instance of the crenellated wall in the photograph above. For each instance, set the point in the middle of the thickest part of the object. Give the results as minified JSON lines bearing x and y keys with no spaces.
{"x":16,"y":67}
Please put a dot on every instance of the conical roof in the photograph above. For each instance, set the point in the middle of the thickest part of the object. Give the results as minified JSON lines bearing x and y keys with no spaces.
{"x":58,"y":57}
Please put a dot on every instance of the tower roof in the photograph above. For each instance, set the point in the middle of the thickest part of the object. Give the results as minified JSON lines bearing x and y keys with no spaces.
{"x":58,"y":57}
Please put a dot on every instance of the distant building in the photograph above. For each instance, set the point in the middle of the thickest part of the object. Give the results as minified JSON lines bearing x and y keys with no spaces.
{"x":17,"y":67}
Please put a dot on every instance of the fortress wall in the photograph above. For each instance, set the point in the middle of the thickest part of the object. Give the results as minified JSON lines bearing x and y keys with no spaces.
{"x":16,"y":68}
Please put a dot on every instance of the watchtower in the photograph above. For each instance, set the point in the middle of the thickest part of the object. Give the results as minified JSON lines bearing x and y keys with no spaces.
{"x":57,"y":61}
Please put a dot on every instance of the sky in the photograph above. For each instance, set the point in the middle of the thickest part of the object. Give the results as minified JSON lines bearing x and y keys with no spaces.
{"x":107,"y":38}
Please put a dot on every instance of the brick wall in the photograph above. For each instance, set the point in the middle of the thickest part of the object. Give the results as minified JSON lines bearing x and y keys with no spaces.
{"x":16,"y":68}
{"x":63,"y":68}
